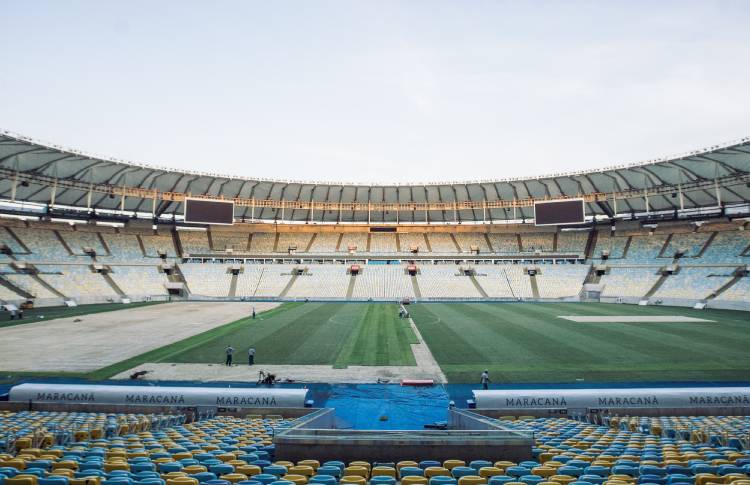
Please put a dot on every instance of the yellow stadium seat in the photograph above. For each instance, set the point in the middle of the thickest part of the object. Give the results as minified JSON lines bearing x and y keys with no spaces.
{"x":472,"y":480}
{"x":248,"y":470}
{"x":414,"y":480}
{"x":305,"y":470}
{"x":490,"y":471}
{"x":356,"y":471}
{"x":235,"y":477}
{"x":436,"y":471}
{"x":383,"y":471}
{"x":297,"y":479}
{"x":354,"y":479}
{"x":404,"y":463}
{"x":22,"y":480}
{"x":451,"y":464}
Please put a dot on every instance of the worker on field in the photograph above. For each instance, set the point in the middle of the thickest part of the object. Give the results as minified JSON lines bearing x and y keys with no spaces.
{"x":229,"y":350}
{"x":250,"y":356}
{"x":253,"y":313}
{"x":485,"y":379}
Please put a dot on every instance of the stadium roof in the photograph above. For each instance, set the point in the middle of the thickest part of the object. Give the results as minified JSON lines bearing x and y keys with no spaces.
{"x":32,"y":171}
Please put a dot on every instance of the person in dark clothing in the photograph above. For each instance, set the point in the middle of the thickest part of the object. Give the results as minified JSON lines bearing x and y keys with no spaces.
{"x":250,"y":356}
{"x":229,"y":350}
{"x":253,"y":313}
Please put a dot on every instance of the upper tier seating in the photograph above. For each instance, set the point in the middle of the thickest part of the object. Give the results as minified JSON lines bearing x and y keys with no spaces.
{"x":543,"y":242}
{"x":6,"y":239}
{"x":194,"y":242}
{"x":322,"y":281}
{"x":694,"y":283}
{"x":413,"y":240}
{"x":629,"y":282}
{"x":444,"y":281}
{"x":156,"y":243}
{"x":293,"y":239}
{"x":44,"y":245}
{"x":383,"y":242}
{"x":207,"y":279}
{"x":122,"y":247}
{"x":140,"y":280}
{"x":262,"y":242}
{"x":78,"y":240}
{"x":75,"y":281}
{"x":504,"y":243}
{"x":690,"y":244}
{"x":468,"y":240}
{"x":441,"y":242}
{"x":504,"y":281}
{"x":728,"y":247}
{"x":356,"y":239}
{"x":561,"y":280}
{"x":614,"y":244}
{"x":236,"y":241}
{"x":572,"y":241}
{"x":383,"y":281}
{"x":325,"y":242}
{"x":645,"y":248}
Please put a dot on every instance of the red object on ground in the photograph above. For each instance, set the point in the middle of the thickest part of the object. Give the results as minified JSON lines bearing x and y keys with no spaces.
{"x":417,"y":382}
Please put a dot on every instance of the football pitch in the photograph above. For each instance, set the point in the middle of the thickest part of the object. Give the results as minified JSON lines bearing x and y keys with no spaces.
{"x":516,"y":342}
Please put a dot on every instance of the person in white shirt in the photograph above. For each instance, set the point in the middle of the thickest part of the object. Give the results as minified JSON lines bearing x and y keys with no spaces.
{"x":485,"y":379}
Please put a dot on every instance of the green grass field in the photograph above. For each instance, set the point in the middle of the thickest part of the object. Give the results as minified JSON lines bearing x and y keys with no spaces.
{"x":335,"y":334}
{"x":518,"y":343}
{"x":529,"y":343}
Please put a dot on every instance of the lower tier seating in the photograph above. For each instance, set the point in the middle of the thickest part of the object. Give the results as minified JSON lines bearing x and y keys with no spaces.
{"x":58,"y":448}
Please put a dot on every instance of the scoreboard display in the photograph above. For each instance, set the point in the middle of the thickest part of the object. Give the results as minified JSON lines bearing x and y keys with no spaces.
{"x":203,"y":211}
{"x":559,"y":212}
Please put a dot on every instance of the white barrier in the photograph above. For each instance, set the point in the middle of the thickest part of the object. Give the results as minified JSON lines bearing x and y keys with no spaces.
{"x":684,"y":397}
{"x":159,"y":396}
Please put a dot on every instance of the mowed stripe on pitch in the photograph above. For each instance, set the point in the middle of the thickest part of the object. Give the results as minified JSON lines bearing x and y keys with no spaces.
{"x":315,"y":334}
{"x":529,"y":343}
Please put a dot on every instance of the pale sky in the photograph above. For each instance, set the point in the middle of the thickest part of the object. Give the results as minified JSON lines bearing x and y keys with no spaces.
{"x":377,"y":91}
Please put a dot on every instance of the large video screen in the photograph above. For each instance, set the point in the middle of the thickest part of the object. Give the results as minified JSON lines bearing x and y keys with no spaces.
{"x":559,"y":212}
{"x":201,"y":211}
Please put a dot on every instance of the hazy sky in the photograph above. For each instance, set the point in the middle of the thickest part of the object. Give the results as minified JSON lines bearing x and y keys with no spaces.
{"x":380,"y":91}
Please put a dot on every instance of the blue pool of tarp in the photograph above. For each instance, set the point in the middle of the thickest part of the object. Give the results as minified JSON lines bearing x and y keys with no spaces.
{"x":387,"y":406}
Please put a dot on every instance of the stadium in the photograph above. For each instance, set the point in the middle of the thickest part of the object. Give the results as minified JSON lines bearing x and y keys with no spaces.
{"x":172,"y":325}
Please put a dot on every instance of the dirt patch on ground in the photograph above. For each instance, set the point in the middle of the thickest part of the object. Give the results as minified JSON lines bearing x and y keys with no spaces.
{"x":102,"y":339}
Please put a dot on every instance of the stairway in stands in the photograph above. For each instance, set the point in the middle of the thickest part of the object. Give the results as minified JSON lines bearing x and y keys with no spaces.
{"x":350,"y":288}
{"x":115,"y":287}
{"x":289,"y":285}
{"x":233,"y":286}
{"x":656,"y":286}
{"x":534,"y":286}
{"x":415,"y":286}
{"x":739,"y":273}
{"x":49,"y":287}
{"x":15,"y":289}
{"x":478,"y":286}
